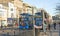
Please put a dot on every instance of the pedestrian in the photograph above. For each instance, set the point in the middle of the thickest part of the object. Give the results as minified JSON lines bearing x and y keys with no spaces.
{"x":45,"y":27}
{"x":1,"y":26}
{"x":49,"y":26}
{"x":59,"y":24}
{"x":55,"y":26}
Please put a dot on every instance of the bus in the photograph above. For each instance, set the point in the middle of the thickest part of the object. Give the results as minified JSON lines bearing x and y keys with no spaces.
{"x":38,"y":19}
{"x":32,"y":24}
{"x":40,"y":22}
{"x":26,"y":24}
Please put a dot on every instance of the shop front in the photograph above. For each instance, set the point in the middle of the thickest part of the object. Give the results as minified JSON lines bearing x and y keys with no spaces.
{"x":12,"y":21}
{"x":4,"y":23}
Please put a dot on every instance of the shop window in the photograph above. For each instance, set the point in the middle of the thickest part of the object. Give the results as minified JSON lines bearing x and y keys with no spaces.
{"x":3,"y":22}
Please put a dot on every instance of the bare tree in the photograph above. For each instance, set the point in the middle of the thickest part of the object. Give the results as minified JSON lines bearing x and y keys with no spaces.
{"x":58,"y":9}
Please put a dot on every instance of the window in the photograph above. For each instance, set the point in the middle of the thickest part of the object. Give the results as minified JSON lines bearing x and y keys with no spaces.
{"x":26,"y":24}
{"x":11,"y":9}
{"x":11,"y":14}
{"x":0,"y":13}
{"x":3,"y":22}
{"x":9,"y":22}
{"x":1,"y":6}
{"x":38,"y":21}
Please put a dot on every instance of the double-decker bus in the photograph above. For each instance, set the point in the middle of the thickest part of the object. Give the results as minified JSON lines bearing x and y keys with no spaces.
{"x":41,"y":22}
{"x":26,"y":24}
{"x":38,"y":19}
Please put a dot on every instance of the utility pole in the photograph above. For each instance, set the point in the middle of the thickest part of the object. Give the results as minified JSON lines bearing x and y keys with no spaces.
{"x":43,"y":18}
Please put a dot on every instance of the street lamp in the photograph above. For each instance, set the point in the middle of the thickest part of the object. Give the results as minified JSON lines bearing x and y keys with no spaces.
{"x":33,"y":19}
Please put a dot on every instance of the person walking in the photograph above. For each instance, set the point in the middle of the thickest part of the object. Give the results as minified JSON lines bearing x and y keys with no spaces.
{"x":59,"y":24}
{"x":45,"y":27}
{"x":55,"y":26}
{"x":1,"y":26}
{"x":49,"y":26}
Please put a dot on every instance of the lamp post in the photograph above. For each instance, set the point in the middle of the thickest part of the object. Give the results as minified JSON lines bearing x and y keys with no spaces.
{"x":43,"y":18}
{"x":33,"y":20}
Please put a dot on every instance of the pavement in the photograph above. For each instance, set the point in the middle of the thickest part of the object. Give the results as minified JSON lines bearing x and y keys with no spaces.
{"x":55,"y":32}
{"x":17,"y":32}
{"x":51,"y":32}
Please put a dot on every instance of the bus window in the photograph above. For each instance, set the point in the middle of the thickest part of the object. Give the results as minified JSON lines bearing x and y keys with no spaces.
{"x":23,"y":26}
{"x":38,"y":19}
{"x":26,"y":23}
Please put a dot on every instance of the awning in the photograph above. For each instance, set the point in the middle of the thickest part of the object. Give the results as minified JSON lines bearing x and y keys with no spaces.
{"x":9,"y":18}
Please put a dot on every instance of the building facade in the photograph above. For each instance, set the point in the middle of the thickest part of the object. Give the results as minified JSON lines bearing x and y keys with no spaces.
{"x":13,"y":9}
{"x":29,"y":8}
{"x":3,"y":15}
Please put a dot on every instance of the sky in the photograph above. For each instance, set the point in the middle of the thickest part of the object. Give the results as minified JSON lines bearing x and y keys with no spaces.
{"x":48,"y":5}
